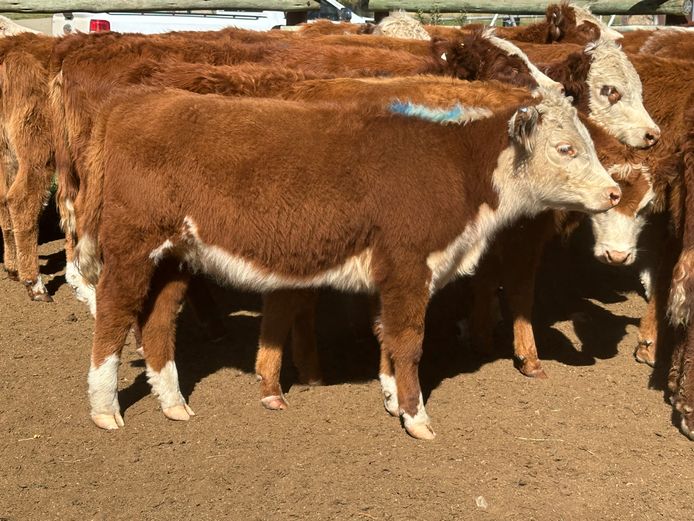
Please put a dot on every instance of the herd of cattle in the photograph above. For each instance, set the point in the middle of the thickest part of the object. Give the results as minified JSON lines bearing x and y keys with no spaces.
{"x":385,"y":163}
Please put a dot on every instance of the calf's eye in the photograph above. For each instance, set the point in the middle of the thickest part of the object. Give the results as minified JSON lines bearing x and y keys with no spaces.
{"x":566,"y":150}
{"x":613,"y":95}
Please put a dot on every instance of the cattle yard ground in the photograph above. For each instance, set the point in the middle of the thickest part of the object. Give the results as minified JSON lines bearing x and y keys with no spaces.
{"x":591,"y":442}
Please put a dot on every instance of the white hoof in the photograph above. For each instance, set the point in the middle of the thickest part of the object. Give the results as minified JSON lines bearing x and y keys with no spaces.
{"x":180,"y":412}
{"x":420,"y":431}
{"x":109,"y":422}
{"x":274,"y":403}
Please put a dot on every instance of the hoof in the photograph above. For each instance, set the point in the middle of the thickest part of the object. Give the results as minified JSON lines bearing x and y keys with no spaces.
{"x":109,"y":422}
{"x":12,"y":275}
{"x":274,"y":403}
{"x":311,"y":380}
{"x":644,"y":353}
{"x":41,"y":297}
{"x":181,"y":412}
{"x":420,"y":431}
{"x":37,"y":291}
{"x":532,"y":369}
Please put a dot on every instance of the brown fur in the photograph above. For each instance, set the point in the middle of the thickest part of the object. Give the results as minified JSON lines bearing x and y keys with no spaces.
{"x":633,"y":40}
{"x":27,"y":161}
{"x":670,"y":44}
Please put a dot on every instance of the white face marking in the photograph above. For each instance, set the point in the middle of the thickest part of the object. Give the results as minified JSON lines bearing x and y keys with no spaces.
{"x":354,"y":275}
{"x":390,"y":393}
{"x":626,"y":119}
{"x":103,"y":386}
{"x":576,"y":181}
{"x":165,"y":385}
{"x":542,"y":79}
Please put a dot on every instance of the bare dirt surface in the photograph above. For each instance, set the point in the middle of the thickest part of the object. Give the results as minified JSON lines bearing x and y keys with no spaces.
{"x":591,"y":442}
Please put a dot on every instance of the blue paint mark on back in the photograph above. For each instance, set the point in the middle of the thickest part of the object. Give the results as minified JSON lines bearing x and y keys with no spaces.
{"x":454,"y":114}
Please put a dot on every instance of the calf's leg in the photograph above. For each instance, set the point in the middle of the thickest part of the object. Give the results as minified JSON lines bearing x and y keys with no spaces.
{"x":121,"y":292}
{"x":280,"y":310}
{"x":654,"y":318}
{"x":25,"y":200}
{"x":403,"y":308}
{"x":10,"y":250}
{"x":158,"y":327}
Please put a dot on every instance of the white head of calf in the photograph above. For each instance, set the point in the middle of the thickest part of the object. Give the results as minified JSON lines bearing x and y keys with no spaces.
{"x":617,"y":232}
{"x":615,"y":98}
{"x":557,"y":149}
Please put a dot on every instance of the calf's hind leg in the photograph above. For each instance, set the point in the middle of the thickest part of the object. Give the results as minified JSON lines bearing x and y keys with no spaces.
{"x":158,"y":326}
{"x":25,"y":200}
{"x":282,"y":311}
{"x":121,"y":292}
{"x":403,"y":308}
{"x":10,"y":253}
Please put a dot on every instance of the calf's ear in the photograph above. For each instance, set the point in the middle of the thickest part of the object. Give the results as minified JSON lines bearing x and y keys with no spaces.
{"x":522,"y":125}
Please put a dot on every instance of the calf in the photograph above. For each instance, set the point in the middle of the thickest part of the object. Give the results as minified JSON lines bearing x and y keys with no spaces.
{"x":402,"y":226}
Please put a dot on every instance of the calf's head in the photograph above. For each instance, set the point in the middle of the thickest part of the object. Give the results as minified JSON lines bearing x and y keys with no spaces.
{"x":556,"y":154}
{"x":615,"y":96}
{"x":616,"y":232}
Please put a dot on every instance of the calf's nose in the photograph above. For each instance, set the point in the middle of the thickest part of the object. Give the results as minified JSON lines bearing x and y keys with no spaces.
{"x":652,"y":136}
{"x":616,"y":257}
{"x":614,"y":194}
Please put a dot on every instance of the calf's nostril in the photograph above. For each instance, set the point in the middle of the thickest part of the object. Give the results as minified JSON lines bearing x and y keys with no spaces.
{"x":615,"y":195}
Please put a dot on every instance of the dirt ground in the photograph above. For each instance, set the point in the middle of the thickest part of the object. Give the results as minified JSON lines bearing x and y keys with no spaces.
{"x":594,"y":441}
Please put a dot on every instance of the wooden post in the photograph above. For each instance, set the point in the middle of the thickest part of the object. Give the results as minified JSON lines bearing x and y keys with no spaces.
{"x":95,"y":6}
{"x":676,"y":7}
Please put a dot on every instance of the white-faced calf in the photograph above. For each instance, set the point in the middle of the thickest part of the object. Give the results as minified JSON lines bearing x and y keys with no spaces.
{"x":238,"y":189}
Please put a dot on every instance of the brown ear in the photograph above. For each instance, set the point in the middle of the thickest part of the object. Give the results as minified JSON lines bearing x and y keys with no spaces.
{"x":522,"y":125}
{"x":554,"y":19}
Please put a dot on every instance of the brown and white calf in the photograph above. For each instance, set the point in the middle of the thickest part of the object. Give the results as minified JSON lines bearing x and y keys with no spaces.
{"x":235,"y":188}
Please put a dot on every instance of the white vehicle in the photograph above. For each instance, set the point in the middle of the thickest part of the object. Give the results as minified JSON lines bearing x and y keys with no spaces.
{"x":165,"y":21}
